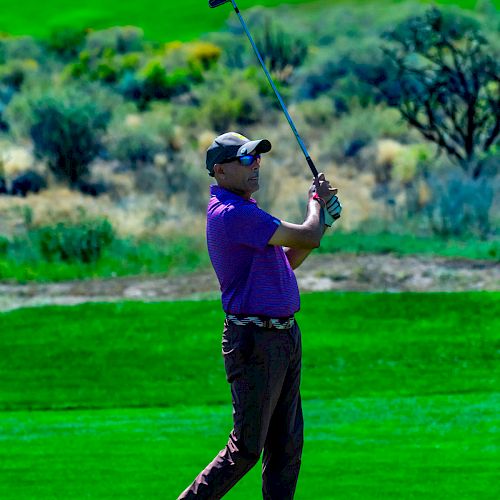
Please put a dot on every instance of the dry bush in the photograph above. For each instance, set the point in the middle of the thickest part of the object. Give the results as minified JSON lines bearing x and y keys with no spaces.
{"x":204,"y":140}
{"x":387,"y":150}
{"x":16,"y":160}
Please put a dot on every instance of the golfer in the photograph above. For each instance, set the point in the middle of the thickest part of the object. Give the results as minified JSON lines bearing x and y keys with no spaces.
{"x":254,"y":254}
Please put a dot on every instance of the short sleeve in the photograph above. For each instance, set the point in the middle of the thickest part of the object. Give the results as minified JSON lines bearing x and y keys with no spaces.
{"x":249,"y":225}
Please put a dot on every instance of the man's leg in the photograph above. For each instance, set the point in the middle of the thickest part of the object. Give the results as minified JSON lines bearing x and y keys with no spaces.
{"x":283,"y":446}
{"x":256,"y":362}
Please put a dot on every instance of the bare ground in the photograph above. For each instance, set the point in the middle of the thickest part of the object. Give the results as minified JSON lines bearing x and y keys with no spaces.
{"x":341,"y":272}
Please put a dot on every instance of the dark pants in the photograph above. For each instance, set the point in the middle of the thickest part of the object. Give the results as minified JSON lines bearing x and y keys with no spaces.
{"x":263,"y":368}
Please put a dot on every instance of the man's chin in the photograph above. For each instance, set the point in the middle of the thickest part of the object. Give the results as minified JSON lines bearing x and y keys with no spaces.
{"x":254,"y":185}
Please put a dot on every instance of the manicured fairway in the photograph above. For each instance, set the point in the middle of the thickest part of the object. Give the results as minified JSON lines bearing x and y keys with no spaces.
{"x":400,"y":398}
{"x":163,"y":21}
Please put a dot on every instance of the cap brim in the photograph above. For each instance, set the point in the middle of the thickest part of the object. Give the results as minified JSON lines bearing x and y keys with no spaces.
{"x":260,"y":146}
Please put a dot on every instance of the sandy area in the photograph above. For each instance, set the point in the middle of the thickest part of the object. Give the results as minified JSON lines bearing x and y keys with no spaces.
{"x":341,"y":272}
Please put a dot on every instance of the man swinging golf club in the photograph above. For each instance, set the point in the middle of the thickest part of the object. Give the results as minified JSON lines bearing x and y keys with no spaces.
{"x":254,"y":254}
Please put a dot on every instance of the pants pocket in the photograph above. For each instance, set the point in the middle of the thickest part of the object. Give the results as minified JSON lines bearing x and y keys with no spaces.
{"x":237,"y":347}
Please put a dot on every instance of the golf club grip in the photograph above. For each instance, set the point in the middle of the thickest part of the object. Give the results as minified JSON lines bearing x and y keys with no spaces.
{"x":312,"y":166}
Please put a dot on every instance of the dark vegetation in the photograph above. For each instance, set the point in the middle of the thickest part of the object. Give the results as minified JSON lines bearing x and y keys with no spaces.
{"x":448,"y":86}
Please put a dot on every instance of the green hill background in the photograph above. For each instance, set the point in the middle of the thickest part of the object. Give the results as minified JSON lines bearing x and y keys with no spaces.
{"x":160,"y":20}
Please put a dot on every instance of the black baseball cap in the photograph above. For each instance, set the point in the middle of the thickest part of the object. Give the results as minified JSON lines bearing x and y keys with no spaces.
{"x":232,"y":145}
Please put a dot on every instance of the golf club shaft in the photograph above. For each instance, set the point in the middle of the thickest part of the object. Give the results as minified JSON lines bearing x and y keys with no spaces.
{"x":288,"y":117}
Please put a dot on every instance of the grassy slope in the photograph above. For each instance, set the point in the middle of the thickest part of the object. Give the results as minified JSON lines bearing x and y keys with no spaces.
{"x":125,"y":258}
{"x":399,"y":401}
{"x":184,"y":20}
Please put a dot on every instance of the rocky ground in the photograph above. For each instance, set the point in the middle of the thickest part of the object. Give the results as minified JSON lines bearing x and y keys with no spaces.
{"x":341,"y":272}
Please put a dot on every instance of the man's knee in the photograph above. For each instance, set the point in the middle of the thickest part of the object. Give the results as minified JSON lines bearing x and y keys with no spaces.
{"x":247,"y":450}
{"x":250,"y":456}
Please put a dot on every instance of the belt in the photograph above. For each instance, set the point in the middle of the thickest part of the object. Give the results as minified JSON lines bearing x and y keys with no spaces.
{"x":262,"y":321}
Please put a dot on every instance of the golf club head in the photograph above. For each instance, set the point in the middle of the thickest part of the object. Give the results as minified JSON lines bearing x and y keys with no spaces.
{"x":216,"y":3}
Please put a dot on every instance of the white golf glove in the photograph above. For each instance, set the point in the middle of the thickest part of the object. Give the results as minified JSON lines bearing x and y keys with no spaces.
{"x":332,"y":211}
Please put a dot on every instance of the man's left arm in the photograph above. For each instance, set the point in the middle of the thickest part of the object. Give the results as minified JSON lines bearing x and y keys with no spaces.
{"x":296,"y":256}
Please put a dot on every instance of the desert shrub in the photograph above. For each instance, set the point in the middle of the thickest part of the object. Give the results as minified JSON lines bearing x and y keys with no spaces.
{"x":17,"y":108}
{"x":6,"y":94}
{"x":193,"y":181}
{"x":66,"y":41}
{"x":279,"y":34}
{"x":108,"y":55}
{"x":346,"y":72}
{"x":411,"y":159}
{"x":135,"y":139}
{"x":93,"y":67}
{"x":129,"y":61}
{"x":135,"y":147}
{"x":160,"y":121}
{"x":119,"y":40}
{"x":20,"y":47}
{"x":155,"y":82}
{"x":106,"y":71}
{"x":233,"y":49}
{"x":280,"y":48}
{"x":28,"y":182}
{"x":129,"y":86}
{"x":14,"y":73}
{"x":199,"y":55}
{"x":317,"y":112}
{"x":364,"y":125}
{"x":66,"y":130}
{"x":319,"y":74}
{"x":203,"y":54}
{"x":229,"y":99}
{"x":399,"y":163}
{"x":459,"y":205}
{"x":83,"y":242}
{"x":107,"y":67}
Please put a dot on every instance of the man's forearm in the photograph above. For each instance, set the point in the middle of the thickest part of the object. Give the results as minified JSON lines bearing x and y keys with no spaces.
{"x":315,"y":217}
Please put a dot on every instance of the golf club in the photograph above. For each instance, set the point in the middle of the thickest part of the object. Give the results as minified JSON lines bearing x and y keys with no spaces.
{"x":217,"y":3}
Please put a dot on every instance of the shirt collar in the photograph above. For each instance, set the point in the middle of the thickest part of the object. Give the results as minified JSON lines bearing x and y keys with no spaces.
{"x":223,"y":194}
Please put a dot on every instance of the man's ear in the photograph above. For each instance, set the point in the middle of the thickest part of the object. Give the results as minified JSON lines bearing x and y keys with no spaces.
{"x":219,"y":170}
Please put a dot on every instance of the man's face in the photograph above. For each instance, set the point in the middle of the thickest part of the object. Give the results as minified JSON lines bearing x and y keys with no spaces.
{"x":241,"y":179}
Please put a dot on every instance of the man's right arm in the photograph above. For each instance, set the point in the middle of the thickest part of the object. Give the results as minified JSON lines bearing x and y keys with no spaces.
{"x":306,"y":235}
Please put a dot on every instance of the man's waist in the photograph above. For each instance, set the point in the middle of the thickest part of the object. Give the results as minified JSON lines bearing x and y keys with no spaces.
{"x":279,"y":323}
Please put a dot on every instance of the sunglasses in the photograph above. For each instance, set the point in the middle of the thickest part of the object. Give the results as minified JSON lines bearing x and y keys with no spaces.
{"x":246,"y":160}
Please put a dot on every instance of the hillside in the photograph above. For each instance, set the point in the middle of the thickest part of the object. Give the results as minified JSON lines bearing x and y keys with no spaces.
{"x":162,"y":21}
{"x":96,"y":191}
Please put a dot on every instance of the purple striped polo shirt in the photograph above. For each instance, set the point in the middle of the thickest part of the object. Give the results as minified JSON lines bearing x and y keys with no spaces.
{"x":254,"y":277}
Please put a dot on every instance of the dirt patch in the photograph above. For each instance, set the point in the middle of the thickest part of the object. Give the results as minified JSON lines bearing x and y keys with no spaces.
{"x":341,"y":272}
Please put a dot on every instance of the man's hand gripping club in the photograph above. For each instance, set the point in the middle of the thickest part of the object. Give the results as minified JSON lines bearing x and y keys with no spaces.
{"x":325,"y":194}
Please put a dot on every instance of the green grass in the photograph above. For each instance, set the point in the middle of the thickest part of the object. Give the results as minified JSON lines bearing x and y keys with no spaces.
{"x":181,"y":20}
{"x":400,"y":398}
{"x":408,"y":244}
{"x":124,"y":257}
{"x":24,"y":263}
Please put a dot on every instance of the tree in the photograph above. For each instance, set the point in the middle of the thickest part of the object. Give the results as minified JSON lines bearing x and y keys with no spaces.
{"x":66,"y":131}
{"x":449,"y":86}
